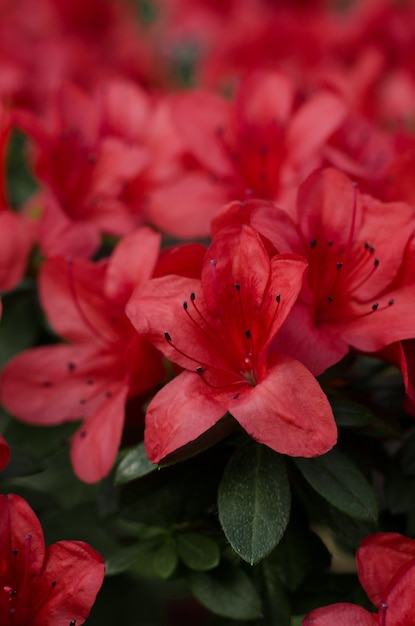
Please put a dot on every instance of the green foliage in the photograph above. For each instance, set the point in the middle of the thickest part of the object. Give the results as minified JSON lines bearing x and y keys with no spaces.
{"x":254,"y":501}
{"x":227,"y":591}
{"x":341,"y":483}
{"x":134,"y":465}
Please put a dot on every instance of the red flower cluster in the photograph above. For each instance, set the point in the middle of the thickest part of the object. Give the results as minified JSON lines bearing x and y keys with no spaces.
{"x":202,"y":251}
{"x":53,"y":586}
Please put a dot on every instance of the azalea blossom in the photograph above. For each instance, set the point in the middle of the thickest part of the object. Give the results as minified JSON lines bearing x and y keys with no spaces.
{"x":43,"y":586}
{"x":358,"y":292}
{"x":104,"y":362}
{"x":386,"y":570}
{"x":261,"y":144}
{"x":219,"y":328}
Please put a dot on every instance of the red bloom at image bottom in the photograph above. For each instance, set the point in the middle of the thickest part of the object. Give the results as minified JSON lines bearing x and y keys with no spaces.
{"x":39,"y":586}
{"x":386,"y":570}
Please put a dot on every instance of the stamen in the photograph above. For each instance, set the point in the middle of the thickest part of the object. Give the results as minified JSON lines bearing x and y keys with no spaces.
{"x":313,"y":243}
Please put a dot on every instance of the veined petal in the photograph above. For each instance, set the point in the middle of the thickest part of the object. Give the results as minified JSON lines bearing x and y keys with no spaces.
{"x":287,"y":411}
{"x":379,"y":558}
{"x":95,"y":444}
{"x":398,"y":599}
{"x":72,"y":296}
{"x":78,"y":572}
{"x":341,"y":614}
{"x":131,"y":263}
{"x":61,"y":381}
{"x":179,"y":413}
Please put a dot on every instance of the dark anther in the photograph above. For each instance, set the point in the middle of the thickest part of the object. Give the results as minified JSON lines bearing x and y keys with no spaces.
{"x":71,"y":367}
{"x":367,"y":245}
{"x":193,"y":296}
{"x":375,"y":306}
{"x":167,"y":336}
{"x":391,"y":301}
{"x":89,"y":382}
{"x":235,"y":396}
{"x":13,"y":592}
{"x":278,"y":297}
{"x":372,"y":249}
{"x":248,"y":334}
{"x":376,"y":262}
{"x":82,"y":401}
{"x":53,"y":583}
{"x":185,"y":305}
{"x":237,"y":286}
{"x":313,"y":243}
{"x":330,"y":298}
{"x":330,"y":242}
{"x":339,"y":266}
{"x":15,"y":551}
{"x":199,"y":369}
{"x":72,"y":622}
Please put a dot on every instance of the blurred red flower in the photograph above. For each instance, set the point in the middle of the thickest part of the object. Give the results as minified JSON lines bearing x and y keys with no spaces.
{"x":43,"y":586}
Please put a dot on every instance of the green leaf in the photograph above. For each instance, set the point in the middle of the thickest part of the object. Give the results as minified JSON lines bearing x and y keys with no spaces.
{"x":134,"y":465}
{"x":197,"y":551}
{"x":165,"y":559}
{"x":351,"y":414}
{"x":227,"y":591}
{"x":254,"y":501}
{"x":277,"y":608}
{"x":125,"y":558}
{"x":340,"y":482}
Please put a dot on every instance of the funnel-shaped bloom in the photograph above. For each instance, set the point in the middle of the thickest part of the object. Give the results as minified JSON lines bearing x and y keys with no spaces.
{"x":39,"y":586}
{"x":105,"y":361}
{"x":218,"y":329}
{"x":359,"y":286}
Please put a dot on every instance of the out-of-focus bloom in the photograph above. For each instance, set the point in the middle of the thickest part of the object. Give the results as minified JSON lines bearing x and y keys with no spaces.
{"x":43,"y":586}
{"x":386,"y":569}
{"x":219,"y":329}
{"x":102,"y":161}
{"x":105,"y":361}
{"x":359,"y":289}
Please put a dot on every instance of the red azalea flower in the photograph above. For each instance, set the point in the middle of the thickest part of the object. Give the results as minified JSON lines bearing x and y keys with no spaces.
{"x":39,"y":586}
{"x":101,"y":160}
{"x":104,"y":363}
{"x":218,"y":329}
{"x":260,"y":145}
{"x":386,"y":569}
{"x":358,"y":291}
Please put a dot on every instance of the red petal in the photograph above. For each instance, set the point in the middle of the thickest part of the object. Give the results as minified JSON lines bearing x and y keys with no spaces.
{"x":131,"y":263}
{"x":379,"y":558}
{"x":287,"y":411}
{"x":341,"y":614}
{"x":183,"y":410}
{"x":78,"y":572}
{"x":95,"y":444}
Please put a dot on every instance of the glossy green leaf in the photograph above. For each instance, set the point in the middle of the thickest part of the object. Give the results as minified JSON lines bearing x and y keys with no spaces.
{"x":341,"y":483}
{"x":134,"y":465}
{"x":254,"y":501}
{"x":197,"y":551}
{"x":227,"y":591}
{"x":166,"y":559}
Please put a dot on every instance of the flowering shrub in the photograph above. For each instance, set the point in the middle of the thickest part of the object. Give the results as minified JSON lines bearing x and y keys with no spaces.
{"x":207,"y":275}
